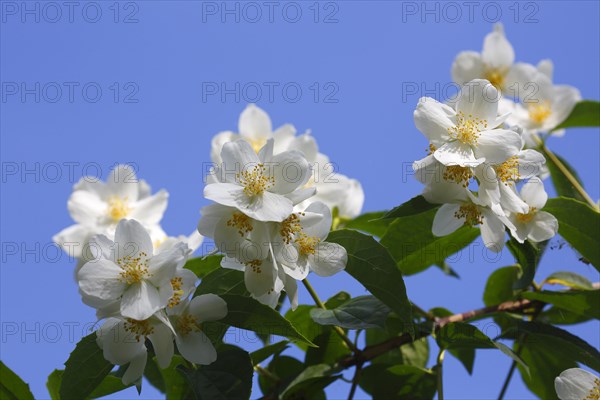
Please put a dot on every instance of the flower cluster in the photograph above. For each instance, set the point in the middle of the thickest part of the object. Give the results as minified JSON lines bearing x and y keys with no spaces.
{"x":265,"y":219}
{"x":471,"y":145}
{"x":540,"y":105}
{"x":132,"y":273}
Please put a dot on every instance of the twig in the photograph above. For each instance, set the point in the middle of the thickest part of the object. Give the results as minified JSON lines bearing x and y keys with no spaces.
{"x":355,"y":381}
{"x":320,"y":304}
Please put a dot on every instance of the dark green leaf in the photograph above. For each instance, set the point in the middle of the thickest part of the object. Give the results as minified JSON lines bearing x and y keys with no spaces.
{"x":581,"y":302}
{"x":263,"y":353}
{"x":561,"y":183}
{"x":459,"y":335}
{"x":371,"y":265}
{"x":580,"y":350}
{"x":579,"y":225}
{"x":585,"y":114}
{"x":109,"y":385}
{"x":359,"y":313}
{"x":559,"y":316}
{"x":500,"y":285}
{"x":465,"y":355}
{"x":228,"y":378}
{"x":412,"y":244}
{"x":330,"y":349}
{"x":370,"y":223}
{"x":285,"y":369}
{"x":12,"y":387}
{"x":85,"y":369}
{"x":247,"y":313}
{"x":569,"y":279}
{"x":176,"y":386}
{"x":528,"y":258}
{"x":414,"y":206}
{"x":402,"y":382}
{"x":312,"y":380}
{"x":337,"y":300}
{"x":203,"y":266}
{"x":223,"y":281}
{"x":415,"y":353}
{"x":53,"y":383}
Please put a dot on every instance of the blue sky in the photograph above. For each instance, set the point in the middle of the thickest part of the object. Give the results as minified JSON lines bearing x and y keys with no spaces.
{"x":150,"y":82}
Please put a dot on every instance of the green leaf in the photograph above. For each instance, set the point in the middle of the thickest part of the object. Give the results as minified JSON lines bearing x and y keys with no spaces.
{"x":263,"y":353}
{"x":528,"y":258}
{"x":579,"y":225}
{"x":465,"y":355}
{"x":569,"y":279}
{"x":585,"y":114}
{"x":53,"y":383}
{"x":12,"y":387}
{"x":559,"y":316}
{"x":223,"y":281}
{"x":580,"y":302}
{"x":228,"y":378}
{"x":203,"y":266}
{"x":459,"y":335}
{"x":85,"y":369}
{"x":362,"y":312}
{"x":175,"y":384}
{"x":415,"y":353}
{"x":579,"y":349}
{"x":370,"y":223}
{"x":246,"y":313}
{"x":285,"y":369}
{"x":414,"y":206}
{"x":413,"y":246}
{"x":371,"y":265}
{"x":109,"y":385}
{"x":546,"y":360}
{"x":548,"y":351}
{"x":562,"y":184}
{"x":402,"y":382}
{"x":500,"y":285}
{"x":310,"y":381}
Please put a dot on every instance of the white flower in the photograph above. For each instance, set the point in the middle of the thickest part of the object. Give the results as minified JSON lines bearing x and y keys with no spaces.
{"x":460,"y":207}
{"x":128,"y":272}
{"x":263,"y":186}
{"x":494,"y":63}
{"x":334,"y":189}
{"x":97,"y":207}
{"x":577,"y":384}
{"x":544,"y":106}
{"x":535,"y":225}
{"x":122,"y":341}
{"x":467,"y":136}
{"x":187,"y":319}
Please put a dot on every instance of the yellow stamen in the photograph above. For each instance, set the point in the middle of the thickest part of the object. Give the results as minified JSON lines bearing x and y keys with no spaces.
{"x":431,"y":149}
{"x":177,"y":284}
{"x":470,"y":213}
{"x":135,"y":269}
{"x":118,"y":208}
{"x":539,"y":112}
{"x":508,"y":171}
{"x":138,"y":328}
{"x":595,"y":391}
{"x":289,"y":227}
{"x":458,"y":174}
{"x":307,"y":244}
{"x":467,"y":129}
{"x":496,"y":77}
{"x":255,"y":265}
{"x":254,"y":181}
{"x":188,"y":323}
{"x":525,"y":218}
{"x":241,"y":222}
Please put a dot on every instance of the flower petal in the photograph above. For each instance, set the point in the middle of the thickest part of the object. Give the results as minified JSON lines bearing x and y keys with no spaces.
{"x":123,"y":182}
{"x":140,"y":301}
{"x":208,"y":307}
{"x":457,"y":153}
{"x":498,"y":145}
{"x":101,"y":280}
{"x":150,"y":210}
{"x":254,"y":123}
{"x":544,"y":226}
{"x":196,"y":347}
{"x":432,"y":119}
{"x":132,"y":239}
{"x":467,"y":66}
{"x":135,"y":370}
{"x":445,"y":222}
{"x":329,"y":259}
{"x":492,"y":231}
{"x":497,"y":51}
{"x":162,"y":342}
{"x":533,"y":193}
{"x":575,"y":384}
{"x":479,"y":99}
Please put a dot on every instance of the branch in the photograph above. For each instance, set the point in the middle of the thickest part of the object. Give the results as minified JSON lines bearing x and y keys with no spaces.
{"x":373,"y":351}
